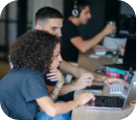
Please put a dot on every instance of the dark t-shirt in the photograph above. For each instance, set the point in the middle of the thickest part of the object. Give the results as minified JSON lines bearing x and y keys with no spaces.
{"x":68,"y":51}
{"x":19,"y":90}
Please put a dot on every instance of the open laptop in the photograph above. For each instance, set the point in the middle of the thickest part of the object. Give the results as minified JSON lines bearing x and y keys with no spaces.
{"x":112,"y":102}
{"x":119,"y":89}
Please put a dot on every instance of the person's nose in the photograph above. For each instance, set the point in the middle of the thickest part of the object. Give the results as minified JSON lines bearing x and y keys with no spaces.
{"x":59,"y":33}
{"x":60,"y":58}
{"x":89,"y":15}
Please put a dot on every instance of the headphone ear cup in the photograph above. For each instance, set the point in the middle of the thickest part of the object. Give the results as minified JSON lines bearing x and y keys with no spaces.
{"x":75,"y":12}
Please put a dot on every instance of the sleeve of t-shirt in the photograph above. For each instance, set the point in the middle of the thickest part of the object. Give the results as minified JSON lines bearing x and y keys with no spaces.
{"x":71,"y":31}
{"x":34,"y":87}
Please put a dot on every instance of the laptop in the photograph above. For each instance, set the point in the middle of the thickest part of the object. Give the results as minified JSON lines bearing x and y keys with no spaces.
{"x":112,"y":102}
{"x":119,"y":89}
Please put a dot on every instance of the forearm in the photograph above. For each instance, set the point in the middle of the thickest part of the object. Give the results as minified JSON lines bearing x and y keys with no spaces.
{"x":80,"y":71}
{"x":65,"y":107}
{"x":97,"y":77}
{"x":53,"y":109}
{"x":56,"y":91}
{"x":68,"y":68}
{"x":68,"y":88}
{"x":62,"y":108}
{"x":88,"y":44}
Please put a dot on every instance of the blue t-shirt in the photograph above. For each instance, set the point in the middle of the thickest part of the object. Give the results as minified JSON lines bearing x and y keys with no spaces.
{"x":19,"y":90}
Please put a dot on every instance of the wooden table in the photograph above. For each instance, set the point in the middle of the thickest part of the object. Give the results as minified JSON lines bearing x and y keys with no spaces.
{"x":83,"y":113}
{"x":93,"y":63}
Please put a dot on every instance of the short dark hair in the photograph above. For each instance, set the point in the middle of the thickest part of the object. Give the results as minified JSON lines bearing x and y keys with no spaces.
{"x":81,"y":4}
{"x":47,"y":13}
{"x":33,"y":50}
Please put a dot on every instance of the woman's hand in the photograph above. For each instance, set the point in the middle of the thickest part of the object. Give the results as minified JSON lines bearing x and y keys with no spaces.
{"x":85,"y":97}
{"x":55,"y":75}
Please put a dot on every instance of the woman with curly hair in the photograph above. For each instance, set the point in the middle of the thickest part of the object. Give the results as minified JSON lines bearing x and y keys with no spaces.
{"x":23,"y":90}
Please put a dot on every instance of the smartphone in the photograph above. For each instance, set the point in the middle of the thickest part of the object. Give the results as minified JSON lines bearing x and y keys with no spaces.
{"x":101,"y":70}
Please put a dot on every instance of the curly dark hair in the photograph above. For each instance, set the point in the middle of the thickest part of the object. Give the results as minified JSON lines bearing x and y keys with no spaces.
{"x":33,"y":50}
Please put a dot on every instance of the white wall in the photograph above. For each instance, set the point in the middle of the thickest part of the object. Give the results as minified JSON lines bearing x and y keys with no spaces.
{"x":58,"y":4}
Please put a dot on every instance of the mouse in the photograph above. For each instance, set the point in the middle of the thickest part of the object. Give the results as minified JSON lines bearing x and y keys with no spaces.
{"x":109,"y":54}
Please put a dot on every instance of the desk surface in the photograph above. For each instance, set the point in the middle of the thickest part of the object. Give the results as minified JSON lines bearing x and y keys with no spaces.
{"x":83,"y":113}
{"x":93,"y":63}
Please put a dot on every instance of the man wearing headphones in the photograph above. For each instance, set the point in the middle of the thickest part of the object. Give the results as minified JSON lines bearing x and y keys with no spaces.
{"x":72,"y":41}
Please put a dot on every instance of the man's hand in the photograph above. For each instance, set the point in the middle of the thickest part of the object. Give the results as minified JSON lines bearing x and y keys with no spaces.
{"x":109,"y":29}
{"x":55,"y":75}
{"x":110,"y":80}
{"x":85,"y":97}
{"x":84,"y":81}
{"x":99,"y":47}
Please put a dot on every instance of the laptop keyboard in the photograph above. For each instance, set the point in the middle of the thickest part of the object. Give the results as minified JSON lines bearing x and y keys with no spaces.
{"x":118,"y":89}
{"x":112,"y":102}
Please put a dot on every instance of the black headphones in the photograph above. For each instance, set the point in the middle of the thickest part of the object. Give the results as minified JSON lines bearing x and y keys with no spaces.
{"x":75,"y":11}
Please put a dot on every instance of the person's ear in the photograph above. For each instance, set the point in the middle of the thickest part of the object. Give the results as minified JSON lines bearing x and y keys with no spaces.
{"x":38,"y":27}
